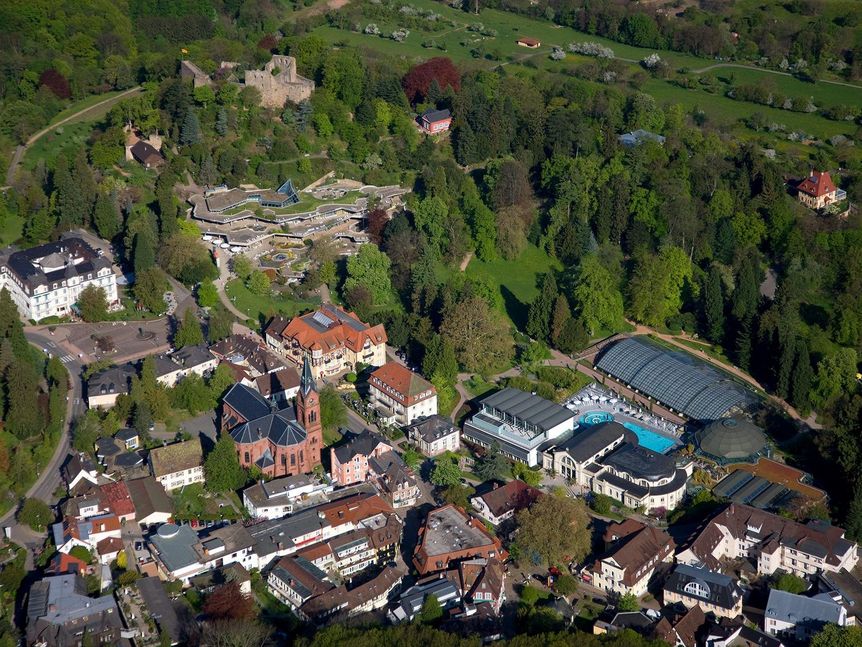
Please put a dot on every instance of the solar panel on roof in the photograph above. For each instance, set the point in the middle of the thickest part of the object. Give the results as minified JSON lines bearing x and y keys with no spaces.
{"x":322,"y":319}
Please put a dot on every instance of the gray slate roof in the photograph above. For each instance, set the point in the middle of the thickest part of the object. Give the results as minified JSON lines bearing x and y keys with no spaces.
{"x":281,"y":428}
{"x":175,"y":545}
{"x":722,"y":591}
{"x":591,"y":439}
{"x":116,"y":379}
{"x":64,"y":598}
{"x":362,"y":443}
{"x":798,"y":609}
{"x":527,"y":408}
{"x":247,"y":402}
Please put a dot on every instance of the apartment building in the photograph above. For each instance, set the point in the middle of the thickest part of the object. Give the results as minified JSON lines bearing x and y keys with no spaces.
{"x":771,"y":542}
{"x":401,"y":396}
{"x":177,"y":464}
{"x":634,"y":550}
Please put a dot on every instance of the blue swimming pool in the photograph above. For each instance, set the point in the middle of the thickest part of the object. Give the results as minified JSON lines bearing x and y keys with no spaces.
{"x":647,"y":438}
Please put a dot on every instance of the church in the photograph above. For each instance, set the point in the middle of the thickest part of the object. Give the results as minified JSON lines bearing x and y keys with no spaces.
{"x":279,"y":442}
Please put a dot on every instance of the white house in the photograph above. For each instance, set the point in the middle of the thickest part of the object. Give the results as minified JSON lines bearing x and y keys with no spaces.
{"x":800,"y":617}
{"x":178,"y":464}
{"x":181,"y":554}
{"x":771,"y":542}
{"x":173,"y":367}
{"x":73,"y":532}
{"x":517,"y":423}
{"x":634,"y":550}
{"x":434,"y":435}
{"x":104,"y":387}
{"x":400,"y":395}
{"x":280,"y":497}
{"x":46,"y":281}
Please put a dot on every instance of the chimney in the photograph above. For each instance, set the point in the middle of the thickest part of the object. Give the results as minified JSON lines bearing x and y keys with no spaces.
{"x":496,"y":485}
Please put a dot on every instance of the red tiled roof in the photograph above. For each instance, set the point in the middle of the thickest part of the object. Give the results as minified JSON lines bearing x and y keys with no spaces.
{"x":65,"y":563}
{"x":109,"y":545}
{"x":818,"y":184}
{"x":116,"y":496}
{"x":354,"y":508}
{"x":345,"y":331}
{"x":405,"y":385}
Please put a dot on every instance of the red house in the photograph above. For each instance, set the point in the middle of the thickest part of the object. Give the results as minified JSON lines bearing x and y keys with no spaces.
{"x":436,"y":121}
{"x":818,"y":190}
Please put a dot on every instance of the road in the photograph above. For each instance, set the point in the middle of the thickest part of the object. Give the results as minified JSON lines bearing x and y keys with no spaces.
{"x":49,"y":479}
{"x":20,"y":150}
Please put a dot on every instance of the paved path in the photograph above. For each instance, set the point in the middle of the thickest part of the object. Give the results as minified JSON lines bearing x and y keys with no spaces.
{"x":742,"y":66}
{"x":48,"y":479}
{"x":20,"y":150}
{"x":220,"y":283}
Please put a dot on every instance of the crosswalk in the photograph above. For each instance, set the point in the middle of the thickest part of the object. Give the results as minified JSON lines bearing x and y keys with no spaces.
{"x":66,"y":359}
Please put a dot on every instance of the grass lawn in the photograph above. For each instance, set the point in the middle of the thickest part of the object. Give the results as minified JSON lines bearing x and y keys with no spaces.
{"x":85,"y":103}
{"x":10,"y":229}
{"x":330,"y":437}
{"x":193,"y":502}
{"x":516,"y":279}
{"x":49,"y":146}
{"x":469,"y":47}
{"x":479,"y":387}
{"x":262,"y":308}
{"x":712,"y":351}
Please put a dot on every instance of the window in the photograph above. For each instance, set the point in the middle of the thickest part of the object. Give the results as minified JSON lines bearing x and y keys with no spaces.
{"x":247,"y":457}
{"x":293,"y":460}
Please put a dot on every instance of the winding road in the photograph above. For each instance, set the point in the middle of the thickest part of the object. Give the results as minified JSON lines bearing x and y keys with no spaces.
{"x":18,"y":155}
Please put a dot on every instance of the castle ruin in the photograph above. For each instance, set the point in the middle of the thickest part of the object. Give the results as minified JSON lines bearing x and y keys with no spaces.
{"x":278,"y":82}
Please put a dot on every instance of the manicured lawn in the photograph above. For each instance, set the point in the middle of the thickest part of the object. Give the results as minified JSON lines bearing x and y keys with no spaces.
{"x":261,"y":308}
{"x":10,"y":229}
{"x":516,"y":279}
{"x":193,"y":502}
{"x":331,"y":437}
{"x":479,"y":387}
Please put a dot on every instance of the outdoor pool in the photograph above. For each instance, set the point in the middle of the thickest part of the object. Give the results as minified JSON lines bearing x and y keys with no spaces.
{"x":647,"y":438}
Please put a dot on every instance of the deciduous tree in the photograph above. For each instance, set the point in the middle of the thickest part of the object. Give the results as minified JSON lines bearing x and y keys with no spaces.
{"x":93,"y":303}
{"x":556,"y":528}
{"x":222,"y":469}
{"x":479,"y":335}
{"x":189,"y":332}
{"x":417,"y":82}
{"x":36,"y":514}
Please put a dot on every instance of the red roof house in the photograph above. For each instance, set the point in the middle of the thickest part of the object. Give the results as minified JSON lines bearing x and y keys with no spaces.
{"x":818,"y":190}
{"x":116,"y":497}
{"x":526,"y":41}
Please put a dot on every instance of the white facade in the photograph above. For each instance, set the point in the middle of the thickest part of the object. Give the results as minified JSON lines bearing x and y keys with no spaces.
{"x":264,"y":501}
{"x":424,"y":404}
{"x":176,"y":480}
{"x":54,"y":297}
{"x":171,"y":379}
{"x":771,"y":556}
{"x":450,"y":442}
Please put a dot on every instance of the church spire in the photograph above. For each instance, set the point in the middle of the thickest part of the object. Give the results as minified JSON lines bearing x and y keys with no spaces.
{"x":306,"y":382}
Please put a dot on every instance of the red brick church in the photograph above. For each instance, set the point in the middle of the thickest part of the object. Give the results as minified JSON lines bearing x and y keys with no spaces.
{"x":279,"y":442}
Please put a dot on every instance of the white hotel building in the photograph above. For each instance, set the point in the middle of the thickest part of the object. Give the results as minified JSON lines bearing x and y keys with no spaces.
{"x":46,"y":281}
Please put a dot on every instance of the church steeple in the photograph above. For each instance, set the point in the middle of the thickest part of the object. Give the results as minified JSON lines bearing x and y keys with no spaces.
{"x":308,"y":411}
{"x":306,"y":382}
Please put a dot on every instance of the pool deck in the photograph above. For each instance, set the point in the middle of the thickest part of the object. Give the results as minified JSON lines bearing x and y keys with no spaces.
{"x":595,"y":399}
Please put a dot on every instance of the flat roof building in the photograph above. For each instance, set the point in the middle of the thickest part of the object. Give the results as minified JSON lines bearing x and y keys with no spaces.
{"x":518,"y":422}
{"x":449,"y":535}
